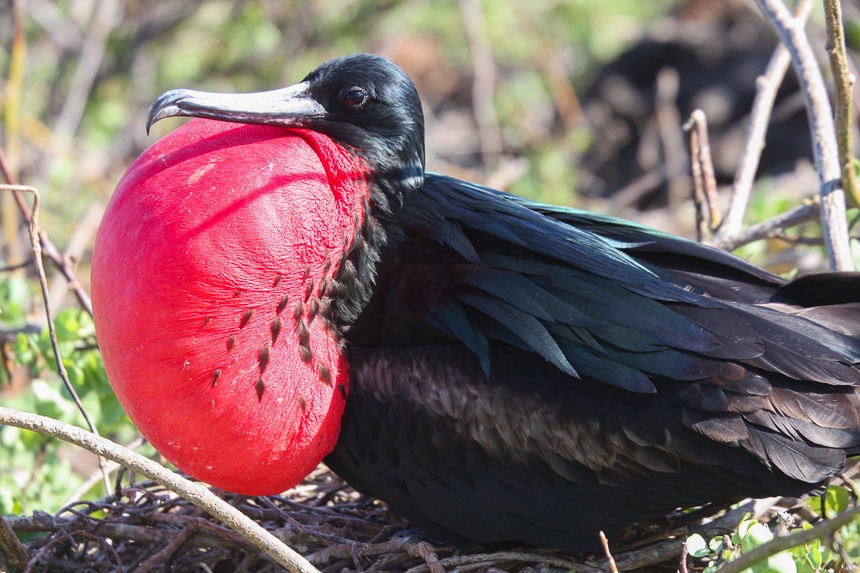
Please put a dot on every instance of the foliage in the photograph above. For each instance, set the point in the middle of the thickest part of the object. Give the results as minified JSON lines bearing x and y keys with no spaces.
{"x":41,"y":475}
{"x":815,"y":557}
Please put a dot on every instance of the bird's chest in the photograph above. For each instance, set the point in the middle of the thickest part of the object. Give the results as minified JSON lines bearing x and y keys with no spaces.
{"x":437,"y":398}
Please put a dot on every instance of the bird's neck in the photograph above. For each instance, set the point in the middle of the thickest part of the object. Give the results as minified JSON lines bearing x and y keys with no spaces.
{"x":357,"y":187}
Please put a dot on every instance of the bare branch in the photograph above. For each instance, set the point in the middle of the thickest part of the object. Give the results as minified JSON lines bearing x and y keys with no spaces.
{"x":767,"y":86}
{"x":92,"y":53}
{"x":772,"y":227}
{"x":12,"y":548}
{"x":833,"y":218}
{"x":48,"y":247}
{"x":669,"y":124}
{"x":195,"y":493}
{"x":36,"y":245}
{"x":844,"y":83}
{"x":613,"y":568}
{"x":484,"y":65}
{"x":702,"y":167}
{"x":822,"y":531}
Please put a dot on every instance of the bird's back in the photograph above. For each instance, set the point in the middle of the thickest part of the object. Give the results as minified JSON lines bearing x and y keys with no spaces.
{"x":528,"y":373}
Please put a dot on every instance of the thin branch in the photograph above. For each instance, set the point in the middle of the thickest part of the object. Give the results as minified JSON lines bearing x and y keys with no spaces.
{"x":682,"y":567}
{"x":484,"y":66}
{"x":16,"y":266}
{"x":162,"y":556}
{"x":12,"y":548}
{"x":212,"y":536}
{"x":13,"y":89}
{"x":36,"y":245}
{"x":843,"y":81}
{"x":771,"y":228}
{"x":95,"y":476}
{"x":669,"y":125}
{"x":821,"y":531}
{"x":195,"y":493}
{"x":637,"y":559}
{"x":605,"y":542}
{"x":508,"y":556}
{"x":833,"y":219}
{"x":767,"y":86}
{"x":48,"y":247}
{"x":90,"y":61}
{"x":702,"y":167}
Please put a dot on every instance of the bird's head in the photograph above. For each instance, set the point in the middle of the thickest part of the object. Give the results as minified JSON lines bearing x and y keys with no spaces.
{"x":231,"y":256}
{"x":362,"y":101}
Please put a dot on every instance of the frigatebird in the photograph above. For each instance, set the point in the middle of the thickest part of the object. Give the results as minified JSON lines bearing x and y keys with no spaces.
{"x":292,"y":285}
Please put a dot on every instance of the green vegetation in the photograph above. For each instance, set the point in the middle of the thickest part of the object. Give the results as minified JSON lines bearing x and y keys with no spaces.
{"x":804,"y":557}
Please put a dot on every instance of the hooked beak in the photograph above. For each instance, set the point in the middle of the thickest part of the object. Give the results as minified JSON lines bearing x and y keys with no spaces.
{"x":285,"y":106}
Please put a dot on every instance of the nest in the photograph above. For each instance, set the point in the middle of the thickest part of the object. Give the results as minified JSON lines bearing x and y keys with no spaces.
{"x":144,"y":527}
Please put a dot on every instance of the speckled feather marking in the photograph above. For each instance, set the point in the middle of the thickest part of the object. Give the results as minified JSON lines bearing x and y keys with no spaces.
{"x":246,"y":317}
{"x":265,"y":354}
{"x":275,"y":328}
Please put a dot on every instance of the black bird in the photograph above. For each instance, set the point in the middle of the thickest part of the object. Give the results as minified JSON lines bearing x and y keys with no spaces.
{"x":518,"y":372}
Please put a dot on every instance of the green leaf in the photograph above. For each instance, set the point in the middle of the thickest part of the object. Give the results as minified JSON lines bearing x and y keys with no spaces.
{"x":756,"y":534}
{"x":782,"y":562}
{"x":67,"y":325}
{"x":50,"y":401}
{"x":697,"y":547}
{"x":836,"y":500}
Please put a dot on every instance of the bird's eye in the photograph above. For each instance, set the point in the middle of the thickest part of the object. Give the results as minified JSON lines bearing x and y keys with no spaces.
{"x":353,"y":97}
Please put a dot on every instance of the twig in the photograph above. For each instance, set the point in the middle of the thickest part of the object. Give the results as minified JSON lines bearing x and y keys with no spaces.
{"x":160,"y":557}
{"x":36,"y":245}
{"x":89,"y":63}
{"x":637,"y":559}
{"x":13,"y":89}
{"x":833,"y":218}
{"x":48,"y":247}
{"x":767,"y":86}
{"x":821,"y":531}
{"x":16,"y":266}
{"x":193,"y":492}
{"x":702,"y":167}
{"x":772,"y":227}
{"x":612,"y":567}
{"x":698,"y":184}
{"x":668,"y":123}
{"x":425,"y":551}
{"x":206,"y":536}
{"x":682,"y":565}
{"x":15,"y":553}
{"x":515,"y":556}
{"x":76,"y":246}
{"x":843,"y":81}
{"x":484,"y":66}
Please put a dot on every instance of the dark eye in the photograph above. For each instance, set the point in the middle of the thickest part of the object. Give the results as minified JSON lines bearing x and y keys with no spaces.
{"x":354,"y":97}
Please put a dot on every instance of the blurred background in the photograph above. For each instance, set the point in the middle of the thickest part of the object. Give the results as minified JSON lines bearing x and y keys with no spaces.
{"x":573,"y":102}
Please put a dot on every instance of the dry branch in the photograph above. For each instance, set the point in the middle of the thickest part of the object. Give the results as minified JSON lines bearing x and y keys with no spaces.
{"x":193,"y":492}
{"x":844,"y":83}
{"x":833,"y":218}
{"x":821,"y":531}
{"x":767,"y":86}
